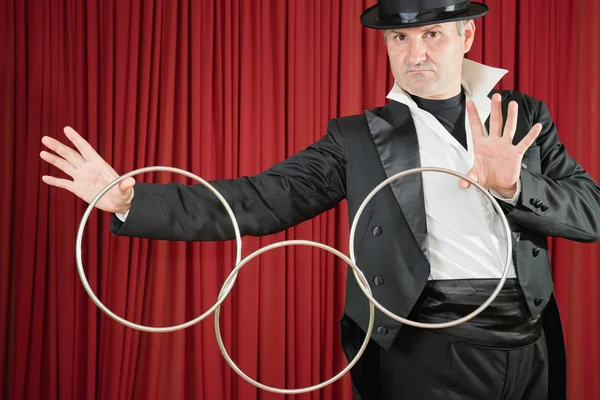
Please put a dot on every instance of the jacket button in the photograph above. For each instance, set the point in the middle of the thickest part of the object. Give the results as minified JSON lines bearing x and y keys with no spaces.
{"x":538,"y":203}
{"x":382,"y":330}
{"x":532,"y":201}
{"x":537,"y":301}
{"x":535,"y":251}
{"x":544,"y":207}
{"x":378,"y":280}
{"x":376,"y":230}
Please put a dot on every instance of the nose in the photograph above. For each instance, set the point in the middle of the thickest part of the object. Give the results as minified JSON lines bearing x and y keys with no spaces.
{"x":416,"y":52}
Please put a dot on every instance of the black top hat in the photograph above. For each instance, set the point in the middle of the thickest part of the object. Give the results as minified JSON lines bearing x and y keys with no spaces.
{"x":390,"y":14}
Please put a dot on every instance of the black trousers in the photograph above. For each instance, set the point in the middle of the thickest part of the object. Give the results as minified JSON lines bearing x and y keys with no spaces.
{"x":423,"y":365}
{"x":511,"y":364}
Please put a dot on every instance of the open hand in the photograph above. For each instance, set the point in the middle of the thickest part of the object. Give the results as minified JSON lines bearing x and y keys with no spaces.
{"x":89,"y":171}
{"x":497,"y":163}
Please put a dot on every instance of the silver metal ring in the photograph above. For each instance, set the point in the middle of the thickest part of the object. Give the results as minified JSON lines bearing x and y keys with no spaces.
{"x":506,"y":265}
{"x":227,"y":288}
{"x":91,"y":293}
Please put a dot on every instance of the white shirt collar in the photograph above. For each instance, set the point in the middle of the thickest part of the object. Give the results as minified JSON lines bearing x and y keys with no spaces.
{"x":477,"y":80}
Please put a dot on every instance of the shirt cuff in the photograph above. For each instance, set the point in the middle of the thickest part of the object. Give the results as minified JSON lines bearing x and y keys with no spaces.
{"x":122,"y":216}
{"x":514,"y":199}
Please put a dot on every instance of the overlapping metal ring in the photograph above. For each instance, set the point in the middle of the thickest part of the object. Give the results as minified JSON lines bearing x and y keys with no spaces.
{"x":229,"y":282}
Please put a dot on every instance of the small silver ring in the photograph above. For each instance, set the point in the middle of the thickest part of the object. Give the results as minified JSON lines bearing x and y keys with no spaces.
{"x":81,"y":229}
{"x":506,"y":265}
{"x":227,"y":288}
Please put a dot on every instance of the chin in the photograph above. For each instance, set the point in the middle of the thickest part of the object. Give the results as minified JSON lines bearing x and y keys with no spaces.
{"x":418,"y":91}
{"x":417,"y":87}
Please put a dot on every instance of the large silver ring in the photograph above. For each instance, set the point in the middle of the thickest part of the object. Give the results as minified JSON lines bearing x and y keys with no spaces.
{"x":231,"y":278}
{"x":506,"y":265}
{"x":227,"y":288}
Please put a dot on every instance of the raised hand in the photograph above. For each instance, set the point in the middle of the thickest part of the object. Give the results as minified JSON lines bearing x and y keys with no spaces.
{"x":89,"y":171}
{"x":497,"y":163}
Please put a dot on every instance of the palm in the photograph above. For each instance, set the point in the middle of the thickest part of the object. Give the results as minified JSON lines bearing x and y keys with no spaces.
{"x":497,"y":162}
{"x":90,"y":179}
{"x":89,"y":171}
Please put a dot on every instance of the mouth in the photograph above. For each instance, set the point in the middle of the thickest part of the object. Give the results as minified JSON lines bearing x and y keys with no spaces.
{"x":418,"y":70}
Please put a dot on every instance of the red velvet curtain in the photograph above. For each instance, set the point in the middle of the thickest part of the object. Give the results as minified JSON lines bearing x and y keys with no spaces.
{"x":223,"y":89}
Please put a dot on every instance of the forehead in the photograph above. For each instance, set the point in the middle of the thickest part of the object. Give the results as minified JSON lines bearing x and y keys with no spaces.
{"x":425,"y":28}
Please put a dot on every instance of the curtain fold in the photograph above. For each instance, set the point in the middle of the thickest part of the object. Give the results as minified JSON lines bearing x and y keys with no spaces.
{"x":225,"y":89}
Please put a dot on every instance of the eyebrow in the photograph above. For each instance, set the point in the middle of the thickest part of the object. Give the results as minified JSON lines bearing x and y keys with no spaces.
{"x":424,"y":29}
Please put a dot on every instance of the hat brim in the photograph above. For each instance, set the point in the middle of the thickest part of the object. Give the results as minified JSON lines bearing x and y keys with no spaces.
{"x":370,"y":17}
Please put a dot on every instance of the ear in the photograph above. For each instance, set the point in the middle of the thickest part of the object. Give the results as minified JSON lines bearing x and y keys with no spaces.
{"x":469,"y":35}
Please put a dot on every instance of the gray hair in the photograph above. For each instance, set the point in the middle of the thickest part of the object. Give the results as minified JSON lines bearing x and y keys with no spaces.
{"x":460,"y":26}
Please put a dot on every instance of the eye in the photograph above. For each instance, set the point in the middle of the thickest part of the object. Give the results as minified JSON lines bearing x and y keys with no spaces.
{"x":400,"y":37}
{"x":432,"y":34}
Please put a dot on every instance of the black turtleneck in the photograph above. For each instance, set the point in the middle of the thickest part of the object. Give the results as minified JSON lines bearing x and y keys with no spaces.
{"x":450,"y":112}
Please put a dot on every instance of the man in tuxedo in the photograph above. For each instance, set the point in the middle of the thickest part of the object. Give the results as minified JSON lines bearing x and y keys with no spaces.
{"x":430,"y":246}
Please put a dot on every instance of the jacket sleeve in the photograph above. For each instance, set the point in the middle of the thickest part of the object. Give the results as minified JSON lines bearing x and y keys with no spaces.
{"x":561,"y":199}
{"x":290,"y":192}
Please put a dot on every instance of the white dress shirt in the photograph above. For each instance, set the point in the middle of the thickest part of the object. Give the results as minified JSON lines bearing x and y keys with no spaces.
{"x":465,"y":234}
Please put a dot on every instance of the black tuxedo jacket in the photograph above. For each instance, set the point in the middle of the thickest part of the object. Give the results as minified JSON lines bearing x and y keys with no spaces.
{"x":358,"y":152}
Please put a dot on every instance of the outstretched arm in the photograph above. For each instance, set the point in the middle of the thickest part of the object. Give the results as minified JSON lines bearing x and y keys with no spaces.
{"x":290,"y":192}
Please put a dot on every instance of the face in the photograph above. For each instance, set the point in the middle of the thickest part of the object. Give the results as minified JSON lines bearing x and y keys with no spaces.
{"x":427,"y":61}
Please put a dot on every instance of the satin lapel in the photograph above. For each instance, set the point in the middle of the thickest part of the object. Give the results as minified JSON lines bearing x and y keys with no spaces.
{"x":396,"y":140}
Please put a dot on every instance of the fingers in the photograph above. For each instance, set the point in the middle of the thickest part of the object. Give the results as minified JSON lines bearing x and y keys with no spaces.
{"x":474,"y":120}
{"x":126,"y":184}
{"x":64,"y":151}
{"x":464,"y":184}
{"x":58,"y":182}
{"x":511,"y":121}
{"x":86,"y":150}
{"x":496,"y":116}
{"x":59,"y":163}
{"x":530,"y":138}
